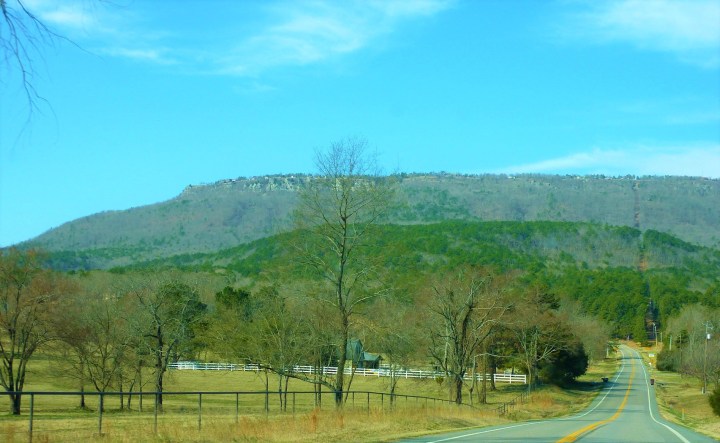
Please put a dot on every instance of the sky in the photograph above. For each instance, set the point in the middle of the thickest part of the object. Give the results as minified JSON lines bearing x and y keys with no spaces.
{"x":138,"y":99}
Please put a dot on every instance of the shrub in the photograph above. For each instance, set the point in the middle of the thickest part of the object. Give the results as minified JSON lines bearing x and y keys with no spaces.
{"x":567,"y":365}
{"x":714,"y":400}
{"x":667,"y":360}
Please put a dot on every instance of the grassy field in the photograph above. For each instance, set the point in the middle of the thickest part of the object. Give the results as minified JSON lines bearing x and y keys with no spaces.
{"x":680,"y":398}
{"x":58,"y":418}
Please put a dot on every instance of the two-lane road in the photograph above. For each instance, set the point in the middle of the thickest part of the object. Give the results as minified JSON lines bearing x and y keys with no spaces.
{"x":626,"y":411}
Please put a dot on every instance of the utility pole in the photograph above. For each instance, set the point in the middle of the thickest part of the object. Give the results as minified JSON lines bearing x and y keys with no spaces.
{"x":655,"y":334}
{"x":708,"y":328}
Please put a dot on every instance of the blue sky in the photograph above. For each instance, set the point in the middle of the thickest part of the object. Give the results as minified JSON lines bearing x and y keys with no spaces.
{"x":158,"y":95}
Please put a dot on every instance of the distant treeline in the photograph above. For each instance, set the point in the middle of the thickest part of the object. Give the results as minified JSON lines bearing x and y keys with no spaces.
{"x":618,"y":274}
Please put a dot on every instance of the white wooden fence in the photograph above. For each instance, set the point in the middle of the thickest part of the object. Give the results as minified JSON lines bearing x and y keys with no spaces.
{"x":332,"y":370}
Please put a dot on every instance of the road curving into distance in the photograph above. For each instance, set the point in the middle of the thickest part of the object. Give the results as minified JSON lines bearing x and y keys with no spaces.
{"x":625,"y":411}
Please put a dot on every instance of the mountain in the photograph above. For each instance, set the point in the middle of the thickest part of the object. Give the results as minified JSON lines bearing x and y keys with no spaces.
{"x":507,"y":245}
{"x":229,"y":213}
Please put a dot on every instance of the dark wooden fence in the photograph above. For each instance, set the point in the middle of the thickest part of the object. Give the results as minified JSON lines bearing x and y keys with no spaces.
{"x":234,"y":402}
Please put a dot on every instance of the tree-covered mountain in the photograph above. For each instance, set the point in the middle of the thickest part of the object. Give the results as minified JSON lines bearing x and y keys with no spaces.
{"x":229,"y":213}
{"x":618,"y":274}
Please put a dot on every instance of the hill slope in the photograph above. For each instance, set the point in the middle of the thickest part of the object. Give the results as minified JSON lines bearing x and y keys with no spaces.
{"x":232,"y":212}
{"x":598,"y":265}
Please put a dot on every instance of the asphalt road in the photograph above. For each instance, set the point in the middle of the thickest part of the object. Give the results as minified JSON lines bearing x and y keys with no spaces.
{"x":626,"y":411}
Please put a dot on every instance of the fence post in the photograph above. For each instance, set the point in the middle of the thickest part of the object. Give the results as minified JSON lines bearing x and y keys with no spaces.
{"x":199,"y":411}
{"x":100,"y":413}
{"x":32,"y":410}
{"x":237,"y":407}
{"x":293,"y":403}
{"x":368,"y":401}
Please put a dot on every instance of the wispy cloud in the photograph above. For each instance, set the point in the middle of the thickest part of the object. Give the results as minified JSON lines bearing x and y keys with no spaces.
{"x":70,"y":17}
{"x":680,"y":110}
{"x":302,"y":33}
{"x":284,"y":32}
{"x":107,"y":29}
{"x":692,"y":160}
{"x":687,"y":29}
{"x":154,"y":55}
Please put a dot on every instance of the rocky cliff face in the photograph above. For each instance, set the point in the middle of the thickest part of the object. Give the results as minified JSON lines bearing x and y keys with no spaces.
{"x":266,"y":183}
{"x":215,"y":216}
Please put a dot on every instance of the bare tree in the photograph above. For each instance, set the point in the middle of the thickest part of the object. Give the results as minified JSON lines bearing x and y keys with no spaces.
{"x":695,"y":354}
{"x":592,"y":332}
{"x":398,"y":333}
{"x":279,"y":338}
{"x":166,"y":317}
{"x":338,"y":214}
{"x":29,"y":297}
{"x":467,"y":305}
{"x":96,"y":340}
{"x":22,"y":34}
{"x":539,"y":333}
{"x":273,"y":330}
{"x":72,"y":351}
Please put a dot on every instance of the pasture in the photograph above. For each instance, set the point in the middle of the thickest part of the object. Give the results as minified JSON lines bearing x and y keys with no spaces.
{"x":247,"y":412}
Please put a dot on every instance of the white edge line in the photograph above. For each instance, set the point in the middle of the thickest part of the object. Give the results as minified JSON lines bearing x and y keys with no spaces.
{"x":622,"y":367}
{"x":647,"y":388}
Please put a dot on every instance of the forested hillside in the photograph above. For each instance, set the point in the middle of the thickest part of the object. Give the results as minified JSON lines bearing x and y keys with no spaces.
{"x":229,"y":213}
{"x":617,"y":274}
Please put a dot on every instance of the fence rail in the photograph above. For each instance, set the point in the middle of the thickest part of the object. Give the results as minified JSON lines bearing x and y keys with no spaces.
{"x":332,"y":370}
{"x":365,"y":399}
{"x":521,"y":399}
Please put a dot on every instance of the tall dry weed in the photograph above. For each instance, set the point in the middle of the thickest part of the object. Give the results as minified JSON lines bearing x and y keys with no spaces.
{"x":542,"y":400}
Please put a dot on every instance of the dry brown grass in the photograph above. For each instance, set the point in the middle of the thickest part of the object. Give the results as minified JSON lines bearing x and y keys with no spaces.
{"x":316,"y":425}
{"x":57,"y":419}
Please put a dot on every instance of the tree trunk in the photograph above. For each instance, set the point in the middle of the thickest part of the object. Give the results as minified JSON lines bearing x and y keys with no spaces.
{"x":15,"y":403}
{"x":140,"y":400}
{"x":82,"y":384}
{"x":316,"y":385}
{"x":267,"y":391}
{"x":458,"y":388}
{"x":483,"y":396}
{"x":287,"y":380}
{"x":493,"y":371}
{"x":352,"y":376}
{"x":473,"y":385}
{"x":159,"y":367}
{"x":340,"y":377}
{"x":122,"y":396}
{"x":159,"y":388}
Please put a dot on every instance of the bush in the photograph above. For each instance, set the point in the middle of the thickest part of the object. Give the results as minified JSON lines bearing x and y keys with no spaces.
{"x":667,"y":360}
{"x":714,"y":400}
{"x":567,"y":365}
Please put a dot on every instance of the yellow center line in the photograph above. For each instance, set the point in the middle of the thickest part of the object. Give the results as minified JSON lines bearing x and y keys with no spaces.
{"x":575,"y":435}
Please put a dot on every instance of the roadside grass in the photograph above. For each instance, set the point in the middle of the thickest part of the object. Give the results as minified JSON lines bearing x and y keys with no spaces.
{"x":680,"y":398}
{"x":552,"y":401}
{"x":59,"y":418}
